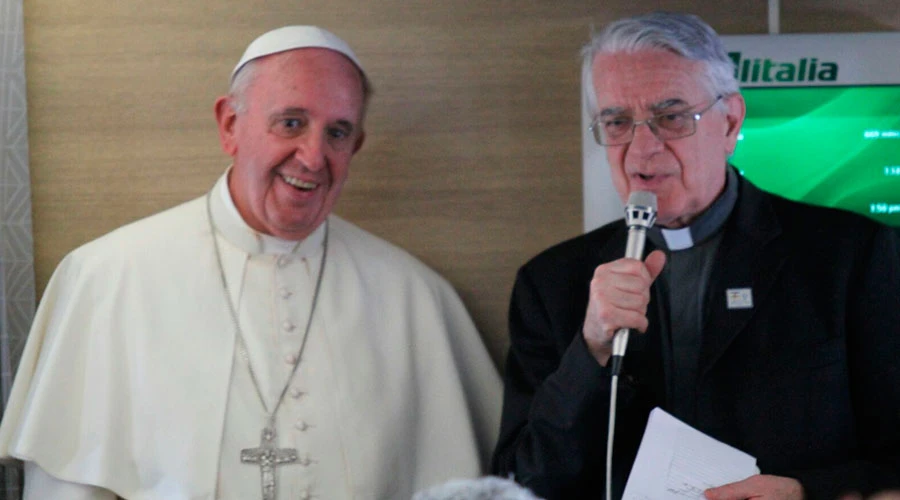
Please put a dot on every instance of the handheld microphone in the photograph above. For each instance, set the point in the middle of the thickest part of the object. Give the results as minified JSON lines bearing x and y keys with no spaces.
{"x":640,"y":214}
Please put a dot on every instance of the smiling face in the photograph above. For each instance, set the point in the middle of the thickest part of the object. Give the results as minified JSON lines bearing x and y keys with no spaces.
{"x":293,"y":141}
{"x":686,"y":174}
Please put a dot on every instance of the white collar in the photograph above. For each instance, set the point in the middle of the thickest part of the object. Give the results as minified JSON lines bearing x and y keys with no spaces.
{"x":678,"y":239}
{"x":708,"y":224}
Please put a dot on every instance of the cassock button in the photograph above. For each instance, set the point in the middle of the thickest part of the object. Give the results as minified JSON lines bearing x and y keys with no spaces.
{"x":301,"y":426}
{"x":288,"y":326}
{"x":286,"y":293}
{"x":305,"y":461}
{"x":305,"y":495}
{"x":290,"y":359}
{"x":297,"y":393}
{"x":284,"y":260}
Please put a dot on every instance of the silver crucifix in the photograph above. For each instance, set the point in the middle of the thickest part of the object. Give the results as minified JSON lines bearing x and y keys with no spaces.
{"x":268,"y":457}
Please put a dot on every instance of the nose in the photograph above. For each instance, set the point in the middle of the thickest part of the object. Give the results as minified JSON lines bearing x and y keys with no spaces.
{"x":645,"y":139}
{"x":311,"y":150}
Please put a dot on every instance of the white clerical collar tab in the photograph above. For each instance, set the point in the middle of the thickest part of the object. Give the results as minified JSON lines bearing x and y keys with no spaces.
{"x":739,"y":298}
{"x":678,"y":239}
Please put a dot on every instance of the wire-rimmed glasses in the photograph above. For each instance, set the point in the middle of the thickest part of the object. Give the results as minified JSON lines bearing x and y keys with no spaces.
{"x":619,"y":130}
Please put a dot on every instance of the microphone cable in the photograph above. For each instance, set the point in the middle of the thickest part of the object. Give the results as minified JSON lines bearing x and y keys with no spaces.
{"x":613,"y":389}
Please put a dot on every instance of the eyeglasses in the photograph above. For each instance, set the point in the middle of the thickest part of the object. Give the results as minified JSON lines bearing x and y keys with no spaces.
{"x":619,"y":130}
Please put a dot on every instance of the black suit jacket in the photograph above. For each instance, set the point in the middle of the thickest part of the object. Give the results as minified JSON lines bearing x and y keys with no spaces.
{"x":807,"y":380}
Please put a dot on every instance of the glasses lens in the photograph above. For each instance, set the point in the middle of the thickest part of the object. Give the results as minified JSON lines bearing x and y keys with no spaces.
{"x":674,"y":125}
{"x":613,"y":131}
{"x":620,"y":130}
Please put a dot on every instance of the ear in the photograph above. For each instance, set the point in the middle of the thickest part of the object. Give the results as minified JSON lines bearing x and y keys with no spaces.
{"x":734,"y":117}
{"x":226,"y":118}
{"x":359,"y":141}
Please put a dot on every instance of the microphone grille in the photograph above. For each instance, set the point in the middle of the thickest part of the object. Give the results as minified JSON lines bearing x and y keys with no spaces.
{"x":643,"y":199}
{"x":641,"y":209}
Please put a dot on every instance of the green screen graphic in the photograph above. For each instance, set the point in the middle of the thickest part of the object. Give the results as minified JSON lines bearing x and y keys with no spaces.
{"x":831,"y":146}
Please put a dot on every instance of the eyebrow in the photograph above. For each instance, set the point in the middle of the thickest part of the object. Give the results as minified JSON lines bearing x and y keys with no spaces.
{"x":287,"y":112}
{"x":292,"y":111}
{"x":346,"y":124}
{"x":668,"y":103}
{"x":654,"y":108}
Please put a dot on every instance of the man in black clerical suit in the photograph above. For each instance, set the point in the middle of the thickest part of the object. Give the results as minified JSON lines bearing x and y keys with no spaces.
{"x":768,"y":324}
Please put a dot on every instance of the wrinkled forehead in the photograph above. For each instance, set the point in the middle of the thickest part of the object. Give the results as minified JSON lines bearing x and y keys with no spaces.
{"x":310,"y":81}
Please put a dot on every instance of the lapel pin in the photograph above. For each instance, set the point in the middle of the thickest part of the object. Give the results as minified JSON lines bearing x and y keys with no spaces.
{"x":739,"y":298}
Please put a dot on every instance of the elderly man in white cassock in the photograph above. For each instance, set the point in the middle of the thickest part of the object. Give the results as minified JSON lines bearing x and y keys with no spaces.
{"x":250,"y":344}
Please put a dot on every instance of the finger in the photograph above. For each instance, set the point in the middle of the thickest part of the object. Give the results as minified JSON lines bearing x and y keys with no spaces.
{"x":655,"y":263}
{"x":733,"y":491}
{"x":609,"y":306}
{"x":624,"y":293}
{"x":638,"y":321}
{"x":626,"y":266}
{"x":619,"y":282}
{"x":631,"y":278}
{"x":758,"y":486}
{"x":607,"y":323}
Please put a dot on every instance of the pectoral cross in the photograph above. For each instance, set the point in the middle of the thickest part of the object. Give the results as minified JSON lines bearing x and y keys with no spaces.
{"x":268,"y":457}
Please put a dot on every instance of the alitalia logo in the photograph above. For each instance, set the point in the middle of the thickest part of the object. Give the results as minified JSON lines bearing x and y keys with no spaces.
{"x":807,"y":69}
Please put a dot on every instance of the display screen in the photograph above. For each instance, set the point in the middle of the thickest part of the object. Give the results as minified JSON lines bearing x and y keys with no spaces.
{"x":831,"y":146}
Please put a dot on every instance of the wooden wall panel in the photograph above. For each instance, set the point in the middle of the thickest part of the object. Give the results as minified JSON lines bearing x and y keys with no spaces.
{"x":473,"y":159}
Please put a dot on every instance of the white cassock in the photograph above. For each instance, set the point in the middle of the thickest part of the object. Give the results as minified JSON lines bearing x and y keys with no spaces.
{"x":133,"y":380}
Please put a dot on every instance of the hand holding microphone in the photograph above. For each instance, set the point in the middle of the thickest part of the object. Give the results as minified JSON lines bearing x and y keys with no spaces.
{"x":620,"y":290}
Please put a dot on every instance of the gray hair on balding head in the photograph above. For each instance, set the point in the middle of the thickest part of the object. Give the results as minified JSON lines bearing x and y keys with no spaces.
{"x":683,"y":34}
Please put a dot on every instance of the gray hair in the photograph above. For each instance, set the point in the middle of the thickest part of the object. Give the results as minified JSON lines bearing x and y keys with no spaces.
{"x":245,"y":76}
{"x":239,"y":85}
{"x":683,"y":34}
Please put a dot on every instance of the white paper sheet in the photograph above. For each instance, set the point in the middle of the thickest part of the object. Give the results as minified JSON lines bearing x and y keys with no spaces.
{"x":676,"y":461}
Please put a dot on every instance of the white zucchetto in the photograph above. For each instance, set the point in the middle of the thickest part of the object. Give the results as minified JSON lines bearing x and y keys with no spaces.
{"x":295,"y":37}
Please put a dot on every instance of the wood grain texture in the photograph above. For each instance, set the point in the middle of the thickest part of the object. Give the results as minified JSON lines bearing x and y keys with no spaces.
{"x":473,"y":159}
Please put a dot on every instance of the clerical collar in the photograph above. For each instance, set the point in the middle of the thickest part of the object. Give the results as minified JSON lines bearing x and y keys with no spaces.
{"x":231,"y":225}
{"x":703,"y":227}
